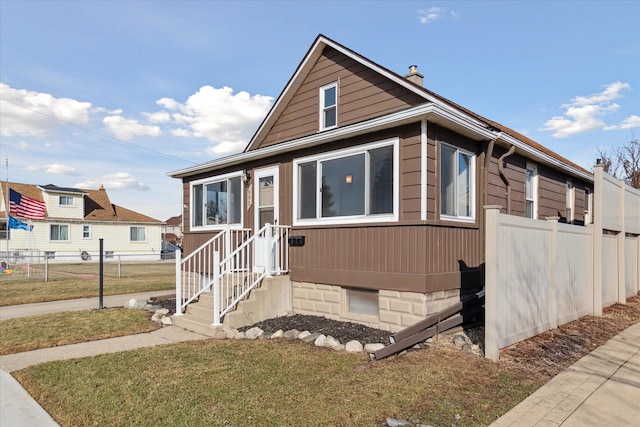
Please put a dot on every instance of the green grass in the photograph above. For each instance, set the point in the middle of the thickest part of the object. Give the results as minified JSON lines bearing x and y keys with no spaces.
{"x":50,"y":330}
{"x":269,"y":383}
{"x":135,"y":278}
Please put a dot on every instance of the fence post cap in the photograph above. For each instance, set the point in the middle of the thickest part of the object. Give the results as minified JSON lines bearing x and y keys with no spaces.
{"x":490,"y":207}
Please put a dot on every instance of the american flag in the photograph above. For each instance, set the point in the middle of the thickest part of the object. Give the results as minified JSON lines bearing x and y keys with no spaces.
{"x":25,"y":207}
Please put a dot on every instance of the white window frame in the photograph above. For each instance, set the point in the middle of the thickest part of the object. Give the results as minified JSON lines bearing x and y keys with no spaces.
{"x":146,"y":234}
{"x":534,"y":190}
{"x":588,"y":205}
{"x":213,"y":180}
{"x":570,"y":208}
{"x":472,"y":184}
{"x":324,"y":109}
{"x":88,"y":230}
{"x":60,"y":225}
{"x":352,"y":219}
{"x":67,"y":198}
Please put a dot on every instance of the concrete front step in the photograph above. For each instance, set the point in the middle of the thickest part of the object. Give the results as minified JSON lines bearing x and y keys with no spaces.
{"x":271,"y":299}
{"x":194,"y":324}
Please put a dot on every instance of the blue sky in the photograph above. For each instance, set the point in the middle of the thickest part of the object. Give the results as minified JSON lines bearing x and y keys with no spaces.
{"x":121,"y":92}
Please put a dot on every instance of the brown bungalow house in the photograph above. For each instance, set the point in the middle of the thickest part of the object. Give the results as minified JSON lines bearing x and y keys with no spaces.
{"x":382,"y":183}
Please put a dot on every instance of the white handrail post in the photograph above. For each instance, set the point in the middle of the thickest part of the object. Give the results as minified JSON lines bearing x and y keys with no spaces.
{"x":178,"y":253}
{"x":216,"y":288}
{"x":269,"y":238}
{"x":227,"y":243}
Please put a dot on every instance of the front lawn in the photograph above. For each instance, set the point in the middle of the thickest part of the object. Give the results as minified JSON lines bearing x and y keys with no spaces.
{"x":50,"y":330}
{"x":273,"y":383}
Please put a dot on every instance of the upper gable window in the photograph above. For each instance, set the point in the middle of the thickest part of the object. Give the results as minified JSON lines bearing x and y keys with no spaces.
{"x":217,"y":202}
{"x":65,"y":200}
{"x":457,"y":183}
{"x":329,"y":106}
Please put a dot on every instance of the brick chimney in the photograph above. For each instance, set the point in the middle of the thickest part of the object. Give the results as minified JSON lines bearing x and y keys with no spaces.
{"x":414,"y":76}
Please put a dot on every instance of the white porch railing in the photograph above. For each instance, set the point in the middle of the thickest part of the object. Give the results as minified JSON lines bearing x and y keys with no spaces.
{"x":195,"y":273}
{"x":233,"y":276}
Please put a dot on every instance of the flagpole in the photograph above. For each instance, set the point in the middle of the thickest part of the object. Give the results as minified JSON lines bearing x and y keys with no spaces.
{"x":6,"y":207}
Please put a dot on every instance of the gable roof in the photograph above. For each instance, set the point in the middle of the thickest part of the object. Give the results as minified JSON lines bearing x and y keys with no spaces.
{"x":97,"y":205}
{"x":174,"y":221}
{"x":436,"y":109}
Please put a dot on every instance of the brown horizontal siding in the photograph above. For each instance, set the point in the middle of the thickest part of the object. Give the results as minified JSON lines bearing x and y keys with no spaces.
{"x":552,"y":193}
{"x":420,"y":251}
{"x":362,"y":94}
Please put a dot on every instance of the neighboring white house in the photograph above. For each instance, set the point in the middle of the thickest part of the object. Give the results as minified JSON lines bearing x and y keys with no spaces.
{"x":72,"y":223}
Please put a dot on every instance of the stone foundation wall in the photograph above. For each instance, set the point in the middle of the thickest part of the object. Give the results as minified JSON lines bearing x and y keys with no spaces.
{"x":396,"y":310}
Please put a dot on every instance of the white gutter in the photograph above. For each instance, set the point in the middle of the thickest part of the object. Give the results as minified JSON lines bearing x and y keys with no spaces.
{"x":544,"y":157}
{"x":379,"y":123}
{"x":431,"y":112}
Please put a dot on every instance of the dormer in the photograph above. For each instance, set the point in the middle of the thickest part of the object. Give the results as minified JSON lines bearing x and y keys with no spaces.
{"x":63,"y":202}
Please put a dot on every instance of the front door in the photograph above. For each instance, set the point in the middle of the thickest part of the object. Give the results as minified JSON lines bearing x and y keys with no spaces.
{"x":266,"y":212}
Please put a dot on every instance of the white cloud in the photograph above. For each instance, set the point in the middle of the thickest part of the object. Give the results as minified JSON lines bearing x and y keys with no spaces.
{"x":116,"y":181}
{"x":28,"y":113}
{"x":22,"y":146}
{"x":126,"y":129}
{"x":631,"y":122}
{"x":584,"y":113}
{"x":226,"y":119}
{"x":58,"y":169}
{"x":159,"y":117}
{"x":427,"y":16}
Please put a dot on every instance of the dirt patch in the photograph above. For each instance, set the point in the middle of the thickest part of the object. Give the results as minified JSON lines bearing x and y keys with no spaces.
{"x":551,"y":352}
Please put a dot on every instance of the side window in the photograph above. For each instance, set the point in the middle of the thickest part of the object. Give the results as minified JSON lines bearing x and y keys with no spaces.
{"x":531,"y":191}
{"x":216,"y":203}
{"x":137,"y":234}
{"x":86,"y":232}
{"x":457,"y":183}
{"x":588,"y":201}
{"x":59,"y":232}
{"x":329,"y":106}
{"x":571,"y":201}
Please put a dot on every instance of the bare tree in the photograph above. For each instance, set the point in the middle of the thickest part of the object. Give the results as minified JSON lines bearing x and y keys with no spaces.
{"x":624,"y":161}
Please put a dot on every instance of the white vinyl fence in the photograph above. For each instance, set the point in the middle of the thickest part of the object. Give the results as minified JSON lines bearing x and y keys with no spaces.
{"x":542,"y":274}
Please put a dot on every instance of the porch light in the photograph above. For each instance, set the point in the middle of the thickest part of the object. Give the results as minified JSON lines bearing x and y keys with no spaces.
{"x":348,"y":179}
{"x":246,"y":176}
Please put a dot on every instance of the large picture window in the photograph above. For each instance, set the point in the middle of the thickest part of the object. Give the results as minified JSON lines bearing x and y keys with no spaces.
{"x":457,"y":183}
{"x":348,"y":185}
{"x":217,"y":202}
{"x":59,"y":232}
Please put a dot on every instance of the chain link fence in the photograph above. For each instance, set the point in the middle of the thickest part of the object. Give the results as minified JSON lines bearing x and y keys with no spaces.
{"x":43,"y":266}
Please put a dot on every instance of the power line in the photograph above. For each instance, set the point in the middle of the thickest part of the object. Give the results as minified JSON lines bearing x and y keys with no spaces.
{"x":97,"y":133}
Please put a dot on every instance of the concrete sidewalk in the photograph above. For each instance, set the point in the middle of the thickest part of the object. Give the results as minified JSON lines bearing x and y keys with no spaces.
{"x":24,"y":310}
{"x":601,"y":389}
